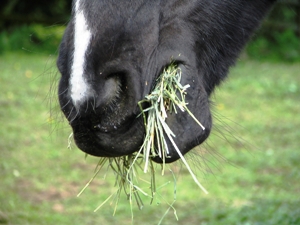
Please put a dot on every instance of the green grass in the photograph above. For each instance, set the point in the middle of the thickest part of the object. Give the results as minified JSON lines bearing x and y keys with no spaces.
{"x":250,"y":164}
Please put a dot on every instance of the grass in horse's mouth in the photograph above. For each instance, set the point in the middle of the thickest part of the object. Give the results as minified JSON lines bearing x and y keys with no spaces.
{"x":168,"y":95}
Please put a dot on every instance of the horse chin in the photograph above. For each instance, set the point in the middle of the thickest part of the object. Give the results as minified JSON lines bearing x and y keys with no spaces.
{"x":108,"y":142}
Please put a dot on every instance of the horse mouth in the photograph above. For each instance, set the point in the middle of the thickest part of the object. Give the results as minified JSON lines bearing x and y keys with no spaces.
{"x":114,"y":139}
{"x":116,"y":127}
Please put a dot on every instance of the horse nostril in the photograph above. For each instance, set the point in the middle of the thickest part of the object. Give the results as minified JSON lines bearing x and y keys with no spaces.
{"x":109,"y":91}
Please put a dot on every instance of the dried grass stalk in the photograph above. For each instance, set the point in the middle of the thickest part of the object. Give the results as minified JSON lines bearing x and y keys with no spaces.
{"x":167,"y":97}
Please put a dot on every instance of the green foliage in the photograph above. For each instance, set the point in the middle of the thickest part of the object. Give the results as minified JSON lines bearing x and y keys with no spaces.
{"x":17,"y":12}
{"x":277,"y":39}
{"x":33,"y":38}
{"x":257,"y":184}
{"x":277,"y":46}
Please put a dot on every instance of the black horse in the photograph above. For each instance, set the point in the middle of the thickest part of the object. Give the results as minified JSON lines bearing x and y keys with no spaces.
{"x":113,"y":51}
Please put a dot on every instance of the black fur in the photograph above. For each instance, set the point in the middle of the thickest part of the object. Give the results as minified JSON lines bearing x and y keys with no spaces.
{"x":132,"y":42}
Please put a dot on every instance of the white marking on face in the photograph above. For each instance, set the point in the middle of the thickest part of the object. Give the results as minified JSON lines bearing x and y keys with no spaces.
{"x":78,"y":84}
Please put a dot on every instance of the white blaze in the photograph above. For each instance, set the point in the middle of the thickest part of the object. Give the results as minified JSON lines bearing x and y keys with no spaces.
{"x":82,"y":36}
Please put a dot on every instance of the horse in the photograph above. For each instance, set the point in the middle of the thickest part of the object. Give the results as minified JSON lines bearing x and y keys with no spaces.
{"x":113,"y":51}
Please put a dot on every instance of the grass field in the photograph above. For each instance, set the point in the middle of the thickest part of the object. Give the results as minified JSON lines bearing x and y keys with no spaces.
{"x":250,"y":165}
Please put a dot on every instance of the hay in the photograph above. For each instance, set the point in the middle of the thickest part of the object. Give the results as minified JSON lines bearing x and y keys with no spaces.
{"x":167,"y":97}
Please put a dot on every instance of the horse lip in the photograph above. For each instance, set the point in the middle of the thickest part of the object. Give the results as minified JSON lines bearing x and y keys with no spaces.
{"x":104,"y":129}
{"x":98,"y":143}
{"x":125,"y":123}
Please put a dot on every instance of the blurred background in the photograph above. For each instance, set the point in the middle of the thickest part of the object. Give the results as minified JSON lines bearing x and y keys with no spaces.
{"x":250,"y":164}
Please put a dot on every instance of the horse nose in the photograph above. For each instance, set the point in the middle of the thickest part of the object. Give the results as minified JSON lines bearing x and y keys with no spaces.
{"x":108,"y":89}
{"x":96,"y":89}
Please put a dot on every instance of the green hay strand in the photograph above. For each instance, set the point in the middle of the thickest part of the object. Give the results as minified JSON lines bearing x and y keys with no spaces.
{"x":168,"y":96}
